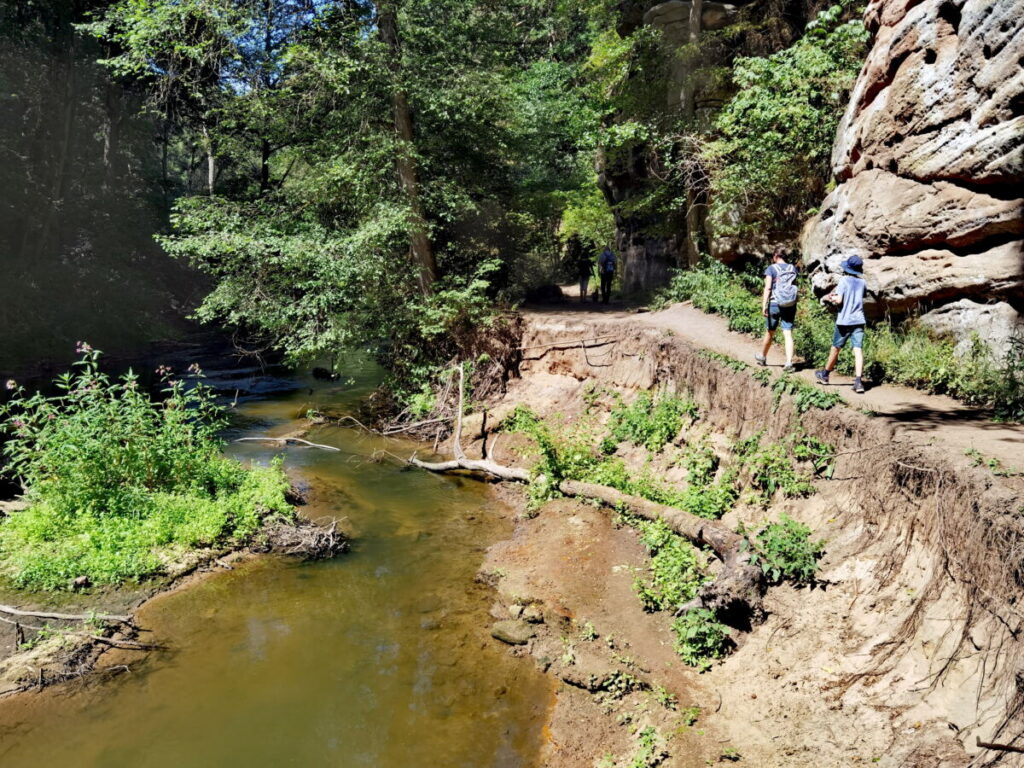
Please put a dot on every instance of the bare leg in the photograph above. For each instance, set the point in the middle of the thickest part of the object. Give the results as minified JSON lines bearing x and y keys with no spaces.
{"x":833,"y":356}
{"x":767,"y":344}
{"x":858,"y":361}
{"x":787,"y":337}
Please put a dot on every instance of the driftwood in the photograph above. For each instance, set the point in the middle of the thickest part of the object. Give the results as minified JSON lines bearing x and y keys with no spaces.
{"x":286,"y":440}
{"x":735,"y":595}
{"x":306,"y":538}
{"x":64,"y":616}
{"x":998,"y":747}
{"x":128,"y":645}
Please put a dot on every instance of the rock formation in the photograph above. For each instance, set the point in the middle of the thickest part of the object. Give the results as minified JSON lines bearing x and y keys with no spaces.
{"x":930,"y":163}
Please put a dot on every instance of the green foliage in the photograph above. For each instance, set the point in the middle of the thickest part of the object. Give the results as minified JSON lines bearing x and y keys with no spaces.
{"x":769,"y":163}
{"x":690,"y":715}
{"x":700,"y":638}
{"x":994,"y":465}
{"x":771,"y":469}
{"x":116,"y":481}
{"x":676,"y":571}
{"x":701,"y":463}
{"x":805,"y":396}
{"x":650,"y":749}
{"x":587,"y":216}
{"x":649,"y":421}
{"x":729,"y":362}
{"x":713,"y":287}
{"x":784,"y":550}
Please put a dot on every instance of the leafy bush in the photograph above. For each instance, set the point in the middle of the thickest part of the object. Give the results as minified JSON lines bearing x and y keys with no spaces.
{"x":805,"y":396}
{"x":115,"y":481}
{"x":785,"y":550}
{"x":701,"y":463}
{"x":676,"y":571}
{"x":769,"y":164}
{"x":771,"y":469}
{"x":650,"y":422}
{"x":700,"y":638}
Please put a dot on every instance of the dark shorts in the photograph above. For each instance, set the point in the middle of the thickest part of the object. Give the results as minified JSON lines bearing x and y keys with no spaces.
{"x":852,"y":333}
{"x":784,"y":316}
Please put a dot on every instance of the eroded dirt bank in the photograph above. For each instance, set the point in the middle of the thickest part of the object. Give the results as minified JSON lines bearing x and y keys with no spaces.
{"x":905,"y":653}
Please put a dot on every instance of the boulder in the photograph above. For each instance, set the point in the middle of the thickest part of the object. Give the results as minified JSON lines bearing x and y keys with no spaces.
{"x":994,"y":324}
{"x":513,"y":632}
{"x":930,"y":158}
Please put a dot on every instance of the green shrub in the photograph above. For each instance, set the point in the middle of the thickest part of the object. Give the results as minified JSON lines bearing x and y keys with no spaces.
{"x":117,"y":482}
{"x":785,"y":550}
{"x":676,"y":571}
{"x":769,"y":162}
{"x":805,"y":396}
{"x":648,"y":421}
{"x":701,"y":463}
{"x":700,"y":638}
{"x":770,"y":469}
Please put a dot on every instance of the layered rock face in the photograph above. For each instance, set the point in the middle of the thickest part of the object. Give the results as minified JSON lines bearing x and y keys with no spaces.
{"x":930,"y":164}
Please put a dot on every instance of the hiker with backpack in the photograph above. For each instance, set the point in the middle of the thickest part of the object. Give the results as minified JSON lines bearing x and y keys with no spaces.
{"x":583,"y":264}
{"x":848,"y":296}
{"x":778,"y":305}
{"x":606,"y":269}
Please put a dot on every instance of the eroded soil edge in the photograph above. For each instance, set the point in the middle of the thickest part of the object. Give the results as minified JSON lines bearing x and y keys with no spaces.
{"x":905,"y":653}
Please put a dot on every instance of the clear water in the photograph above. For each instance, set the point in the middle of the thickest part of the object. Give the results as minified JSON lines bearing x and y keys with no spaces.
{"x":379,"y":658}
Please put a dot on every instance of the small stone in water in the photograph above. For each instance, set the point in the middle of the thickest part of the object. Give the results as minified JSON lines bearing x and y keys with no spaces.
{"x":513,"y":632}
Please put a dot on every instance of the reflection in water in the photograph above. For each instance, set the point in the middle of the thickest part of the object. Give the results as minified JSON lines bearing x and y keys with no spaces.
{"x":379,"y":658}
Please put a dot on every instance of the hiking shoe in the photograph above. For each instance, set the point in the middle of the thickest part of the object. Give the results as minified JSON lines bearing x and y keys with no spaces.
{"x":760,"y":359}
{"x":858,"y":386}
{"x":789,"y":368}
{"x":821,"y":376}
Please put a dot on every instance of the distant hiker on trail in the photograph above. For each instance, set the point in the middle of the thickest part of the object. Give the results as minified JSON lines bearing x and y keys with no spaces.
{"x":606,"y":268}
{"x":850,"y":322}
{"x":778,"y":305}
{"x":584,"y":270}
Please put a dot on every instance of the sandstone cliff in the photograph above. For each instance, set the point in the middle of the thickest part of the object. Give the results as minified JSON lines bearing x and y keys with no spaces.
{"x":930,"y":163}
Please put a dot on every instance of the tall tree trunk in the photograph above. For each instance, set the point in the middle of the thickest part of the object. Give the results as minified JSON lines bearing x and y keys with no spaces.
{"x":694,"y":223}
{"x":264,"y":166}
{"x":421,"y":252}
{"x":211,"y":163}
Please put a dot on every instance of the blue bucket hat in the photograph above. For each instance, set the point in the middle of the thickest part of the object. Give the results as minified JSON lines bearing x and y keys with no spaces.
{"x":854,"y":266}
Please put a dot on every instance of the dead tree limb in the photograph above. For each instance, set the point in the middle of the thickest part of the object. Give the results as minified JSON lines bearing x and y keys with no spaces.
{"x":285,"y":441}
{"x":65,"y":616}
{"x":999,"y":747}
{"x":128,"y":645}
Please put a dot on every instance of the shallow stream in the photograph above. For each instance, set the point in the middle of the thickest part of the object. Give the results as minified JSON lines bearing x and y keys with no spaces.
{"x":379,"y":658}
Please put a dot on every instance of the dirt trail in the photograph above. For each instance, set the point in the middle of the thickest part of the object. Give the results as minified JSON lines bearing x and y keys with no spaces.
{"x":906,"y":653}
{"x":928,"y":419}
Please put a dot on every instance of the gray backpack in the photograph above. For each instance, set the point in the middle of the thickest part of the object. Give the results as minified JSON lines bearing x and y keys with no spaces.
{"x":784,"y":289}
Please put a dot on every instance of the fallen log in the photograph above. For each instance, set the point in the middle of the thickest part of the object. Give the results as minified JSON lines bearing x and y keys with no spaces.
{"x":64,"y":616}
{"x":736,"y":593}
{"x":286,"y":440}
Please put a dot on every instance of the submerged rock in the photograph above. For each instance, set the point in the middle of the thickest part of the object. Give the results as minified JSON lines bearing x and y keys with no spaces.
{"x":513,"y":632}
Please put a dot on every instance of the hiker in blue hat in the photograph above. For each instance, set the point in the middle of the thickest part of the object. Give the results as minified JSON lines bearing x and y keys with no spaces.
{"x":849,"y":298}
